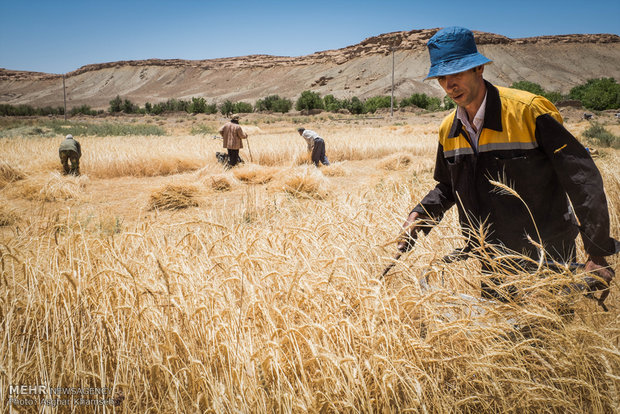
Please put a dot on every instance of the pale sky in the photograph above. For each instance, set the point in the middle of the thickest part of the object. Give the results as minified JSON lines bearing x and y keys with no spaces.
{"x":61,"y":36}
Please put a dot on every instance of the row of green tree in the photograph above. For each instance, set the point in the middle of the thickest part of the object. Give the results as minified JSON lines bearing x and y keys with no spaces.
{"x":311,"y":100}
{"x":595,"y":94}
{"x":28,"y":110}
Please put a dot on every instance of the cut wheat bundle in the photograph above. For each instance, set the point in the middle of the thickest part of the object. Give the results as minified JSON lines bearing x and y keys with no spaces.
{"x":174,"y":197}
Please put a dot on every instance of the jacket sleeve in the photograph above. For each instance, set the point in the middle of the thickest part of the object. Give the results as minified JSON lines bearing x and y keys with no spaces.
{"x":441,"y":198}
{"x":582,"y":182}
{"x":309,"y":141}
{"x":79,"y":149}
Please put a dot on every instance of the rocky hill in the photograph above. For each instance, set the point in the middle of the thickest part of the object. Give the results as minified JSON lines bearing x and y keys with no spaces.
{"x":363,"y":70}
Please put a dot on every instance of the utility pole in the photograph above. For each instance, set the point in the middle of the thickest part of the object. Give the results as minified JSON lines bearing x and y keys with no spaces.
{"x":64,"y":92}
{"x":392,"y":98}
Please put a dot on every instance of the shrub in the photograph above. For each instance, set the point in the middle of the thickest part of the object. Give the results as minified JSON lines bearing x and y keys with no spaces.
{"x":274,"y":103}
{"x":176,"y":105}
{"x":129,"y":107}
{"x":598,"y":94}
{"x":83,"y":109}
{"x":27,"y":110}
{"x":554,"y":96}
{"x":227,"y":108}
{"x":332,"y":104}
{"x":157,"y":109}
{"x":309,"y":100}
{"x":376,"y":102}
{"x":198,"y":106}
{"x":536,"y":89}
{"x":355,"y":106}
{"x":211,"y":109}
{"x":528,"y":86}
{"x":448,"y":103}
{"x":421,"y":100}
{"x":116,"y":105}
{"x":19,"y":110}
{"x":119,"y":105}
{"x":600,"y":135}
{"x":242,"y":107}
{"x":434,"y":104}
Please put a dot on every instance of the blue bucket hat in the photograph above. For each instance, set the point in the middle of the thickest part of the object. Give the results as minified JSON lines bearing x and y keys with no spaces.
{"x":453,"y":50}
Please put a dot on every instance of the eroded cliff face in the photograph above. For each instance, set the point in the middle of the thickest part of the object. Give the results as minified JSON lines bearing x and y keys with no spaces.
{"x":555,"y":62}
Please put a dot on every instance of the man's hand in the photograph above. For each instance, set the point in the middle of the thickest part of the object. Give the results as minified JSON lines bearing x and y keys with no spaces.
{"x":410,"y":232}
{"x":600,"y":268}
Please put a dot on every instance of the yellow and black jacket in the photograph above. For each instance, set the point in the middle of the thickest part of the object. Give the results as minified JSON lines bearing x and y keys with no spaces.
{"x":524,"y":146}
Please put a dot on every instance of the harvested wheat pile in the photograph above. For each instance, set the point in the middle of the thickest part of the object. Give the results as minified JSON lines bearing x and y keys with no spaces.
{"x":28,"y":189}
{"x":59,"y":187}
{"x":395,"y":162}
{"x":220,"y":182}
{"x":334,"y":170}
{"x":9,"y":174}
{"x":55,"y":187}
{"x":174,"y":197}
{"x":306,"y":182}
{"x":255,"y":174}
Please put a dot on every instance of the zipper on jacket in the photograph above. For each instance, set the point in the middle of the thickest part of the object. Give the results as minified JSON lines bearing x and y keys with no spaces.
{"x":469,"y":141}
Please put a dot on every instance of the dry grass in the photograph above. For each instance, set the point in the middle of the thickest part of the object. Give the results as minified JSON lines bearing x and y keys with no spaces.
{"x":174,"y":197}
{"x":334,"y":170}
{"x":255,"y":174}
{"x":396,"y":162}
{"x":267,"y":302}
{"x":220,"y":182}
{"x":58,"y":187}
{"x":8,"y":215}
{"x":303,"y":158}
{"x":303,"y":182}
{"x":9,"y":174}
{"x":50,"y":187}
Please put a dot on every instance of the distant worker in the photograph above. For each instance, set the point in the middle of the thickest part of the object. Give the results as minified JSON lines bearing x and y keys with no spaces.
{"x":70,"y":150}
{"x":232,"y":135}
{"x":316,"y":146}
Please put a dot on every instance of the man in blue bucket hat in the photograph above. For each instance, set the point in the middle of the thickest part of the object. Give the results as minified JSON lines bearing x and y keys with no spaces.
{"x":524,"y":187}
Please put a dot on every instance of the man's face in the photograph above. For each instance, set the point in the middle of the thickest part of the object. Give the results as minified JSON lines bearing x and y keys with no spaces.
{"x":464,"y":87}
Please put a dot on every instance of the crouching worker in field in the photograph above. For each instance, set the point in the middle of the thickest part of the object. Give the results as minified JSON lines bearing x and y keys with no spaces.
{"x":316,"y":146}
{"x":509,"y":165}
{"x":70,"y":151}
{"x":232,"y":135}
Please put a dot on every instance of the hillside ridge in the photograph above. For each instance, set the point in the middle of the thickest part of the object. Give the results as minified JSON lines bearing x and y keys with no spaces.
{"x":557,"y":63}
{"x":381,"y":44}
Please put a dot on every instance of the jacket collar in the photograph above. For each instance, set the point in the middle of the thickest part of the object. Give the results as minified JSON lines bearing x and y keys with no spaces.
{"x":492,"y":115}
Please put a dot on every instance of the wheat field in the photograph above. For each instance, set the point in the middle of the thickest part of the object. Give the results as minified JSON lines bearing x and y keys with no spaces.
{"x":183,"y":287}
